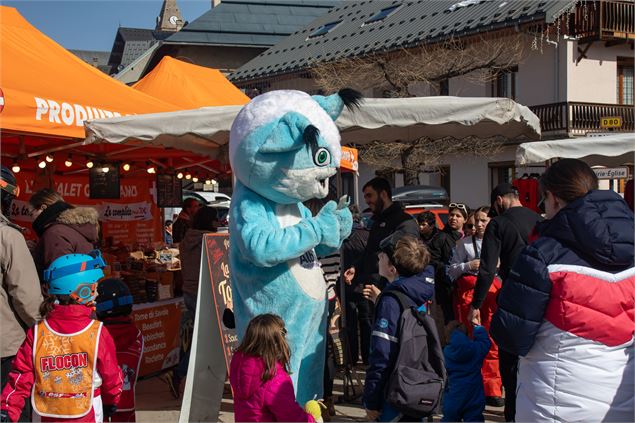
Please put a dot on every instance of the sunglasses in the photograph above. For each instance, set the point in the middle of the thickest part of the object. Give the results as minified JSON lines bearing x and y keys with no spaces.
{"x":459,"y":206}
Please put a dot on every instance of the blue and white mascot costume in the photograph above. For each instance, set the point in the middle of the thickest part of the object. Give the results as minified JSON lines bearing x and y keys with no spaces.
{"x":283,"y":148}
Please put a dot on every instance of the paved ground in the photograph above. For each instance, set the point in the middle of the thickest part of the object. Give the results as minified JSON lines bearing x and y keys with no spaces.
{"x":155,"y":404}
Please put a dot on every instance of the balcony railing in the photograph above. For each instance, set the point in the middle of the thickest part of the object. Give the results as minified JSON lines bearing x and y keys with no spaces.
{"x":579,"y":118}
{"x":603,"y":20}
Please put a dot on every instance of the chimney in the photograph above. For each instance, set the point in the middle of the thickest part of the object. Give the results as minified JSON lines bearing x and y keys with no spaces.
{"x":215,"y":3}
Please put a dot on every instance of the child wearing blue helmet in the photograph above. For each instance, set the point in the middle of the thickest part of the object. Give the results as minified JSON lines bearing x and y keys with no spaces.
{"x":68,"y":363}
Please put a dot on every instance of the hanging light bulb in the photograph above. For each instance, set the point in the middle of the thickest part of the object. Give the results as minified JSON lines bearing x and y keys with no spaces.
{"x":90,"y":164}
{"x":49,"y":158}
{"x":179,"y":175}
{"x":195,"y":179}
{"x":68,"y":162}
{"x":188,"y":176}
{"x":214,"y":182}
{"x":105,"y":169}
{"x":126,"y":167}
{"x":151,"y":169}
{"x":16,"y":167}
{"x":208,"y":182}
{"x":41,"y":164}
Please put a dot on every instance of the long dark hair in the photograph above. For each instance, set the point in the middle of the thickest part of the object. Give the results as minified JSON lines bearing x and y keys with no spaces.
{"x":569,"y":179}
{"x":265,"y":338}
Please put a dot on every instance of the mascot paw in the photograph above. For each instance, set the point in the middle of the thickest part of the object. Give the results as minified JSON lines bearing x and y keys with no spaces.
{"x":328,"y":220}
{"x":345,"y":220}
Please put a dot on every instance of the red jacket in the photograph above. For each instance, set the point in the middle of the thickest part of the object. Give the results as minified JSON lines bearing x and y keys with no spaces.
{"x":255,"y":401}
{"x":63,"y":319}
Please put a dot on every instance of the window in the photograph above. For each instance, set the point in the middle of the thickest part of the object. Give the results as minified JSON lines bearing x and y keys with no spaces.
{"x":625,"y":80}
{"x":501,"y":172}
{"x":324,"y":29}
{"x":444,"y":87}
{"x":504,"y":84}
{"x":382,"y":14}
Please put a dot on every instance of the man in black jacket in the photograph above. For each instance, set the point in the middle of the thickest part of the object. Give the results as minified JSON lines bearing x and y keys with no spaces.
{"x":505,"y":237}
{"x":388,"y":218}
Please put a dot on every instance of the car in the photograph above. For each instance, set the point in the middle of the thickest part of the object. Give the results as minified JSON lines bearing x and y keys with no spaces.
{"x":440,"y":212}
{"x":212,"y":196}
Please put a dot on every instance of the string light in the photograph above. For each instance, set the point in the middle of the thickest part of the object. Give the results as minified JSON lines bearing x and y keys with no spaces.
{"x":179,"y":175}
{"x":214,"y":182}
{"x":90,"y":164}
{"x":151,"y":169}
{"x":105,"y":169}
{"x":188,"y":176}
{"x":16,"y":167}
{"x":68,"y":162}
{"x":208,"y":182}
{"x":126,"y":167}
{"x":42,"y":164}
{"x":49,"y":158}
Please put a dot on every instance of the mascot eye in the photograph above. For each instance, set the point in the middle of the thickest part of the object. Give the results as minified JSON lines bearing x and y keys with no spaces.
{"x":322,"y":157}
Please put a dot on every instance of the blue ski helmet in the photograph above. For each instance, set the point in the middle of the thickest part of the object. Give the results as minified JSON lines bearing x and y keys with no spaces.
{"x":76,"y":275}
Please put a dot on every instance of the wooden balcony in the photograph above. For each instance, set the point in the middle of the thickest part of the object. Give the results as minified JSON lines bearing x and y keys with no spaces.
{"x":611,"y":21}
{"x":575,"y":118}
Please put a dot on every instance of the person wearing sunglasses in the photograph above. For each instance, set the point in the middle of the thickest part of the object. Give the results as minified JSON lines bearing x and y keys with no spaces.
{"x":462,"y":271}
{"x":505,"y":236}
{"x":567,"y":305}
{"x":441,"y":252}
{"x":20,"y":294}
{"x":469,"y":229}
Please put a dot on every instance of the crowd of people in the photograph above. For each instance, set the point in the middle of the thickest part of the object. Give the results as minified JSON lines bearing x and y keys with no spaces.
{"x":502,"y":306}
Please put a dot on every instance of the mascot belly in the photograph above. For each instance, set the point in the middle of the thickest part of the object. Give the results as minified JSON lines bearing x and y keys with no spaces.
{"x":284,"y":146}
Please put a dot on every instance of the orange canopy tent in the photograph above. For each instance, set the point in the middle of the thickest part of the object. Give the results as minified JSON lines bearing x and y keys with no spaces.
{"x":190,"y":86}
{"x":46,"y":93}
{"x":47,"y":90}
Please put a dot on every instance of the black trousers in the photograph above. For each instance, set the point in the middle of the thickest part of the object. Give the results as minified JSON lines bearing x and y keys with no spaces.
{"x":508,"y":364}
{"x":359,"y":315}
{"x":6,"y":369}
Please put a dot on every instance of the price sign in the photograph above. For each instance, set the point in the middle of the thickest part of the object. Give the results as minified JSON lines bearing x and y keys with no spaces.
{"x":611,"y":122}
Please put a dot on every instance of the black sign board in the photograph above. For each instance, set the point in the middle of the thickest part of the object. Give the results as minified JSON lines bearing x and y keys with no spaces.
{"x":104,"y":184}
{"x":169,"y":191}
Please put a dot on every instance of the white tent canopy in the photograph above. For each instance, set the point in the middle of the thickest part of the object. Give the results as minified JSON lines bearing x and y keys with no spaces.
{"x":608,"y":150}
{"x":203,"y":130}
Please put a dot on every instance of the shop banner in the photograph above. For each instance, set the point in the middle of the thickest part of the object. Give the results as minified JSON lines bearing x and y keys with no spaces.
{"x":214,"y":339}
{"x":159,"y":323}
{"x":131,"y":220}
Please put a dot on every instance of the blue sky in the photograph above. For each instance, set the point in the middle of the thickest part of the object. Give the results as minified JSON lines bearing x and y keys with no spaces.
{"x":92,"y":24}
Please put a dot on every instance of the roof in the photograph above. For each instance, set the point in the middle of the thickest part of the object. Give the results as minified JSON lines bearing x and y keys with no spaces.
{"x":142,"y":34}
{"x":354,"y":29}
{"x":251,"y":22}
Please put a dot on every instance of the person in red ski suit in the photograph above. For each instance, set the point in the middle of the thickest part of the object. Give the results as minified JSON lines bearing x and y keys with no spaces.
{"x":114,"y":307}
{"x":462,"y":270}
{"x":67,"y":363}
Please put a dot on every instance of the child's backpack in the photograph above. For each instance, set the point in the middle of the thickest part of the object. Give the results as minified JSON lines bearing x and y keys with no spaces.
{"x":416,"y":383}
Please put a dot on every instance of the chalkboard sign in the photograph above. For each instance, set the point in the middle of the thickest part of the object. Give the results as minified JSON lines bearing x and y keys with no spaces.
{"x":104,"y":185}
{"x":214,"y":340}
{"x":169,"y":191}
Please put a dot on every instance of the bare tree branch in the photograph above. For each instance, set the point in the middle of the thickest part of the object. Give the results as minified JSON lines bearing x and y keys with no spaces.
{"x":478,"y":60}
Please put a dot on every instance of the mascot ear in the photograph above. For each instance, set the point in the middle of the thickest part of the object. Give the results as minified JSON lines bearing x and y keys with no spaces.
{"x":286,"y":134}
{"x":334,"y":104}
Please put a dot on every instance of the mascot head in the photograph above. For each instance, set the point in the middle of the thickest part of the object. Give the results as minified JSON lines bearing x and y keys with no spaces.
{"x":284,"y":145}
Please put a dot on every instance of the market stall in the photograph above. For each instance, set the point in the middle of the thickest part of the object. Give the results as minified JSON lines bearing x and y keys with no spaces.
{"x":47,"y":93}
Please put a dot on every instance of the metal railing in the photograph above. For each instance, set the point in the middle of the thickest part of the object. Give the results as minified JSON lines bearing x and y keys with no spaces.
{"x":577,"y":117}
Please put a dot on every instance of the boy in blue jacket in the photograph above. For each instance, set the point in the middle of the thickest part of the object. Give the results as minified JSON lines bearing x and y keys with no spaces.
{"x":464,"y":398}
{"x":403,"y":261}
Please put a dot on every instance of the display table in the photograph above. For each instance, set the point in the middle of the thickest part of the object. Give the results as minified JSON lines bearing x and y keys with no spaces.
{"x":159,"y":322}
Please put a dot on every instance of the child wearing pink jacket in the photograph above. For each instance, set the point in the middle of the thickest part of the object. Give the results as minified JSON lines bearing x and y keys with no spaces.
{"x":263,"y":391}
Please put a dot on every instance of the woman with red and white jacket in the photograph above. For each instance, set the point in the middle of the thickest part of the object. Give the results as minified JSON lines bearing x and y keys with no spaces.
{"x":68,"y":363}
{"x":567,"y":305}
